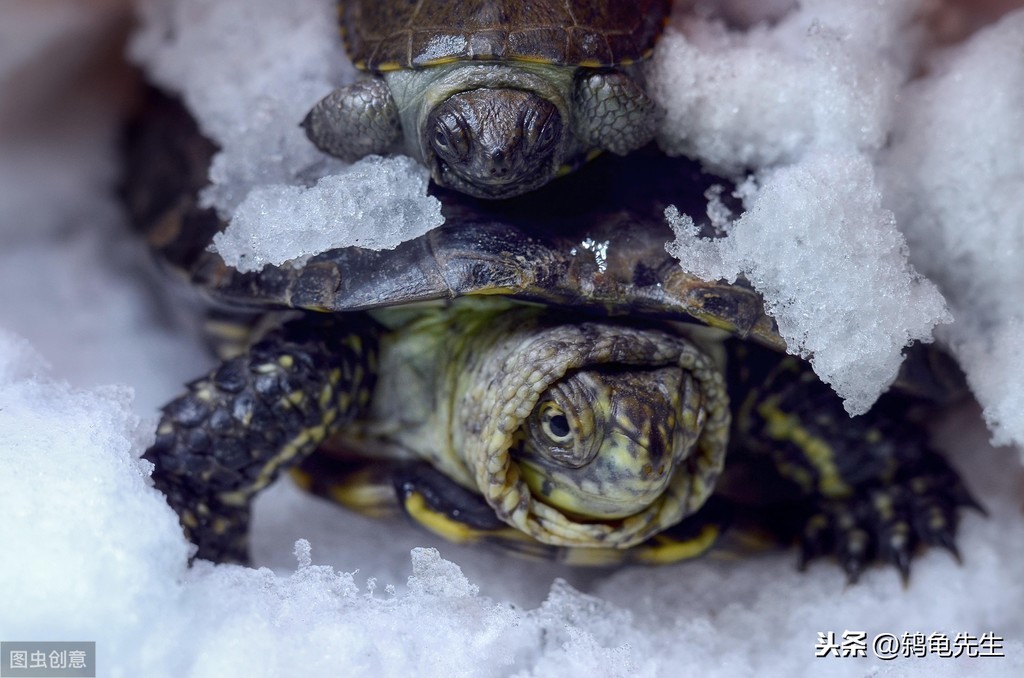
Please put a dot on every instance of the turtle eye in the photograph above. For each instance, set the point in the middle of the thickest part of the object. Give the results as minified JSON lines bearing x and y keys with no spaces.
{"x":450,"y":138}
{"x":555,"y":424}
{"x":547,"y":135}
{"x":562,"y":429}
{"x":440,"y":139}
{"x":541,"y":129}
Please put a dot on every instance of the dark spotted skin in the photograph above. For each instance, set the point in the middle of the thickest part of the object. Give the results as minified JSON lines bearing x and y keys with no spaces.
{"x":255,"y":415}
{"x":872,"y":488}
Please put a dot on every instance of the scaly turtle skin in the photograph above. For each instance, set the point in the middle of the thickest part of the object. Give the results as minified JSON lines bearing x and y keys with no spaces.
{"x":536,"y":374}
{"x":495,"y":97}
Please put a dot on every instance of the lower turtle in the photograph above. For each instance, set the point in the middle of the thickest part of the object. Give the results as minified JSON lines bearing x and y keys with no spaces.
{"x":536,"y":374}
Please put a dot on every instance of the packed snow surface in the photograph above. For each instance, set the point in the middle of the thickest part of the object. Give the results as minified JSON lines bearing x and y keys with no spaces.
{"x":91,"y":551}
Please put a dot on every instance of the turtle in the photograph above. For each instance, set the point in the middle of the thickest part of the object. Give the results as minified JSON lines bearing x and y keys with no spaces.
{"x":537,"y":375}
{"x":495,"y":97}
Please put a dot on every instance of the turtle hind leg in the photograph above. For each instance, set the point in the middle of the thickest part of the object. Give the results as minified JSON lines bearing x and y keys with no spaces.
{"x":873,"y":489}
{"x":888,"y":521}
{"x":234,"y":430}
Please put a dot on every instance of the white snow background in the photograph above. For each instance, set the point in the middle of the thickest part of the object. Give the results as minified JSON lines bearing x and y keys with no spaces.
{"x":88,"y":551}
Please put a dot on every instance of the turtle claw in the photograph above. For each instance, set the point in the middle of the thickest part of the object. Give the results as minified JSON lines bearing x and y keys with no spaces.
{"x":886,"y":524}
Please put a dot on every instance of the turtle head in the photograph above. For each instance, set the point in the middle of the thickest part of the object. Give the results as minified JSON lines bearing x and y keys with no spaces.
{"x":586,"y":434}
{"x":604,"y":444}
{"x":494,"y":142}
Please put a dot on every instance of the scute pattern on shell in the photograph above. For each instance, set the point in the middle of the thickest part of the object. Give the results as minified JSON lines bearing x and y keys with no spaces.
{"x":391,"y":34}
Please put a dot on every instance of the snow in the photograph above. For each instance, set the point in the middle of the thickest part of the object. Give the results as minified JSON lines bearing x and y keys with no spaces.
{"x":802,"y":105}
{"x":249,"y":88}
{"x":953,"y":176}
{"x":376,"y":203}
{"x":840,"y":226}
{"x":91,"y":551}
{"x":850,"y":318}
{"x":250,"y":72}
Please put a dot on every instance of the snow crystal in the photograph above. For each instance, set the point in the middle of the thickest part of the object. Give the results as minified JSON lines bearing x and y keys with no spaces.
{"x":953,"y":177}
{"x":376,"y":203}
{"x":804,"y":104}
{"x":816,"y":242}
{"x":824,"y":77}
{"x":249,"y":71}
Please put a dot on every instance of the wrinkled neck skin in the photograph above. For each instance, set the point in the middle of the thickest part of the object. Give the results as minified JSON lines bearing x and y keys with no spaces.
{"x":417,"y":92}
{"x":456,"y":386}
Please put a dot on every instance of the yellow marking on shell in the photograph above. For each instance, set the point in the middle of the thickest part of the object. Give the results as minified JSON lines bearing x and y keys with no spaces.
{"x":786,"y":427}
{"x":265,"y":368}
{"x":438,"y":523}
{"x":286,"y":361}
{"x":204,"y":393}
{"x":296,"y":397}
{"x":441,"y":61}
{"x":668,"y":550}
{"x":627,"y":62}
{"x":488,"y":291}
{"x":533,"y":59}
{"x":387,"y":66}
{"x":590,"y":63}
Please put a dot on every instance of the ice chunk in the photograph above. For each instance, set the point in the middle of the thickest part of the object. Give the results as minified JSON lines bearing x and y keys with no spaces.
{"x":954,"y":176}
{"x":826,"y":256}
{"x":249,"y":72}
{"x":825,"y":77}
{"x":432,"y":575}
{"x":376,"y":203}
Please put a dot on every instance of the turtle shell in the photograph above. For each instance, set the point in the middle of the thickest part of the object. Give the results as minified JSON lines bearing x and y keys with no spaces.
{"x":592,"y":242}
{"x":383,"y":35}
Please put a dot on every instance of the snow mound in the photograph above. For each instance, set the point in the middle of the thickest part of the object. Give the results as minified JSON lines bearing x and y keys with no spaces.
{"x":817,"y":244}
{"x":953,"y":176}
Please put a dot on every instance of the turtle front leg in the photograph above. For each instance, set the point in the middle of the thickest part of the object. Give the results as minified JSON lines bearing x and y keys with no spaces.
{"x":613,"y":112}
{"x":355,"y":121}
{"x":874,"y":489}
{"x":255,"y":415}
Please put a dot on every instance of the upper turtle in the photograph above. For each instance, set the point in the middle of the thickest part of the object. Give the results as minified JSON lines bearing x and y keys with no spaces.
{"x":496,"y":98}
